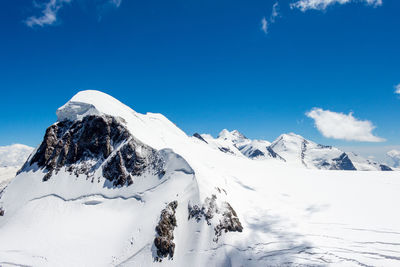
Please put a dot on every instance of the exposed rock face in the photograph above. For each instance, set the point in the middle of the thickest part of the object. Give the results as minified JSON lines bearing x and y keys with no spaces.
{"x":343,"y":162}
{"x":165,"y":232}
{"x":1,"y":211}
{"x":225,"y":216}
{"x":273,"y":154}
{"x":385,"y":168}
{"x":256,"y":153}
{"x":207,"y":211}
{"x":228,"y":223}
{"x":198,"y":136}
{"x":226,"y":150}
{"x":94,"y":142}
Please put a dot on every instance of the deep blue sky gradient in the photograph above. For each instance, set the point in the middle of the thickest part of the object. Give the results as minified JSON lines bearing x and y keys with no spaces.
{"x":206,"y":65}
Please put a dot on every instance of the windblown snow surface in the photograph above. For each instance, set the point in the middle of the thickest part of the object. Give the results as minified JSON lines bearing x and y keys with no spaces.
{"x":291,"y":216}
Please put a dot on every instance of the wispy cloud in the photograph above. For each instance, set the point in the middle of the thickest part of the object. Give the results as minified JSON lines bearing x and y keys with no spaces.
{"x":275,"y":12}
{"x":305,"y":5}
{"x":49,"y":12}
{"x":397,"y":89}
{"x":116,"y":3}
{"x":265,"y":23}
{"x":343,"y":126}
{"x":48,"y":15}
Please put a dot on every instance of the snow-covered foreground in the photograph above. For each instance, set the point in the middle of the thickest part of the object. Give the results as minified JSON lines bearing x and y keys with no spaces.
{"x":291,"y":216}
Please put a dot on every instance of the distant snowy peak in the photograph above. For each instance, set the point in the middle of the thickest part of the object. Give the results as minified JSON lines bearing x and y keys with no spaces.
{"x":296,"y":149}
{"x":363,"y":164}
{"x":395,"y":156}
{"x":14,"y":155}
{"x":293,"y":149}
{"x":224,"y":143}
{"x":234,"y":136}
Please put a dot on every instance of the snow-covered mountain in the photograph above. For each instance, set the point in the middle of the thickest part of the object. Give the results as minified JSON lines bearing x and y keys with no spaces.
{"x":14,"y":155}
{"x":11,"y":159}
{"x":293,"y":149}
{"x":112,"y":187}
{"x":394,"y":155}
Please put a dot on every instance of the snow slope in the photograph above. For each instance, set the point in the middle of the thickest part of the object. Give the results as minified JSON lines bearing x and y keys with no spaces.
{"x":291,"y":216}
{"x":11,"y":159}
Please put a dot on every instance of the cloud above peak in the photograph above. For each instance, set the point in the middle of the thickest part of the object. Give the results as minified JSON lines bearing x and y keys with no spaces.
{"x":49,"y":11}
{"x":343,"y":126}
{"x":305,"y":5}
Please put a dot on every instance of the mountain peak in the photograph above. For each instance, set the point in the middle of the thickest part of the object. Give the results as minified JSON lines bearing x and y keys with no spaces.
{"x":91,"y":102}
{"x":291,"y":135}
{"x":234,"y":135}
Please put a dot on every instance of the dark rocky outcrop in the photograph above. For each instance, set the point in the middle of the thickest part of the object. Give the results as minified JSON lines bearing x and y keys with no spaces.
{"x":84,"y":146}
{"x":165,"y":232}
{"x":228,"y":220}
{"x":273,"y":154}
{"x":385,"y":168}
{"x":343,"y":162}
{"x":225,"y":150}
{"x":198,"y":136}
{"x":206,"y":211}
{"x":2,"y":211}
{"x":256,"y":153}
{"x":228,"y":223}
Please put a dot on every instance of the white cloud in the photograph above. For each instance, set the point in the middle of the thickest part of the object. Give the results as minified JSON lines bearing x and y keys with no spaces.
{"x":50,"y":9}
{"x":274,"y":14}
{"x":397,"y":89}
{"x":342,"y":126}
{"x":49,"y":13}
{"x":305,"y":5}
{"x":264,"y":25}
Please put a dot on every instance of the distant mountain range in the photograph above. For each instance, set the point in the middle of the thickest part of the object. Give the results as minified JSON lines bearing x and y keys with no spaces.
{"x":11,"y":159}
{"x":292,"y":149}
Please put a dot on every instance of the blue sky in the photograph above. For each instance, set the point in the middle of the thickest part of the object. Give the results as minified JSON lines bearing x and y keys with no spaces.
{"x":207,"y":65}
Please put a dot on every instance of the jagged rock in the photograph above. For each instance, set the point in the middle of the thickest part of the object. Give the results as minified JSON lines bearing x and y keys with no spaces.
{"x":226,"y":150}
{"x":165,"y":232}
{"x":1,"y":211}
{"x":198,"y":136}
{"x":256,"y":153}
{"x":195,"y":212}
{"x":207,"y":211}
{"x":229,"y":222}
{"x":343,"y":162}
{"x":228,"y":219}
{"x":385,"y":168}
{"x":84,"y":146}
